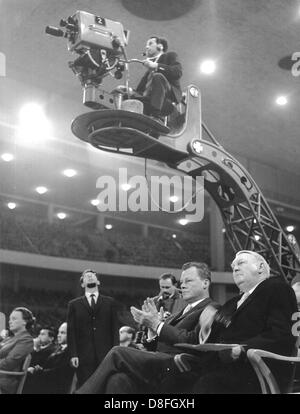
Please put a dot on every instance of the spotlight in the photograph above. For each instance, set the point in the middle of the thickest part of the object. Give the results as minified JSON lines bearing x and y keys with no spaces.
{"x":208,"y":67}
{"x":290,"y":228}
{"x":69,"y":173}
{"x":61,"y":215}
{"x":41,"y":189}
{"x":183,"y":222}
{"x":7,"y":157}
{"x":11,"y":205}
{"x":281,"y":100}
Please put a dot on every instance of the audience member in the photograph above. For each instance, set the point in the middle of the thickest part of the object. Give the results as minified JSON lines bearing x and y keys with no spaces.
{"x":14,"y":349}
{"x":56,"y":375}
{"x":169,"y":297}
{"x":92,"y":327}
{"x":260,"y":317}
{"x":127,"y":370}
{"x":127,"y":336}
{"x":43,"y":347}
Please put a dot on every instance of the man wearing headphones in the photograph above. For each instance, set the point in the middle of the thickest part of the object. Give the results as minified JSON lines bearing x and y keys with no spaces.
{"x":93,"y":327}
{"x":160,"y":86}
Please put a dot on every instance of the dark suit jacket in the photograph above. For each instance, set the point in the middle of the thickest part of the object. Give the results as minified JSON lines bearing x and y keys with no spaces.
{"x":263,"y":321}
{"x":56,"y":376}
{"x":91,"y":334}
{"x":181,"y":328}
{"x":40,"y":357}
{"x":169,"y":66}
{"x":13,"y":351}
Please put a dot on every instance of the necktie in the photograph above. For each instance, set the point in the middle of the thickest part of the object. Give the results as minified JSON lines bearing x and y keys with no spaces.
{"x":242,"y":300}
{"x":93,"y":303}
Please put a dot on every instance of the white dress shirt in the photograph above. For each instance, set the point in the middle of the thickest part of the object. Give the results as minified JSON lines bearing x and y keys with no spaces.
{"x":88,"y":296}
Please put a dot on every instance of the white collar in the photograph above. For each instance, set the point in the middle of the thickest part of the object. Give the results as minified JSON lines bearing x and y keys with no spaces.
{"x":88,"y":294}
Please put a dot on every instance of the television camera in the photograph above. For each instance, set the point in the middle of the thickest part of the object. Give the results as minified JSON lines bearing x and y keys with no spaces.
{"x":100,"y":44}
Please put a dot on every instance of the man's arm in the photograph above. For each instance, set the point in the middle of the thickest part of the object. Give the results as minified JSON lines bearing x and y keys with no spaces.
{"x":278,"y":334}
{"x":172,"y":69}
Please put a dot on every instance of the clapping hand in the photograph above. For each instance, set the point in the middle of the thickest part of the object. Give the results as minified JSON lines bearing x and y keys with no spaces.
{"x":148,"y":316}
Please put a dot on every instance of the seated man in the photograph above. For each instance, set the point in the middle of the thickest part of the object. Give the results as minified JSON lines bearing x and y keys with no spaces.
{"x":169,"y":297}
{"x":261,"y":318}
{"x":160,"y":85}
{"x":127,"y":370}
{"x":56,"y":375}
{"x":43,"y":347}
{"x":127,"y":336}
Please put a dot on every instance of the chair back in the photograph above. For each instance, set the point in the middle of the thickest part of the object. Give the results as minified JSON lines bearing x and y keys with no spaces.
{"x":25,"y":367}
{"x":266,"y":378}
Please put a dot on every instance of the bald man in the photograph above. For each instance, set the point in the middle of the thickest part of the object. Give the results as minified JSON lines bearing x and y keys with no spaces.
{"x":260,"y":317}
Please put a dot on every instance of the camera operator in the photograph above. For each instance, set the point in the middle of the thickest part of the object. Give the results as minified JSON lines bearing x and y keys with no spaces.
{"x":169,"y":297}
{"x":160,"y":86}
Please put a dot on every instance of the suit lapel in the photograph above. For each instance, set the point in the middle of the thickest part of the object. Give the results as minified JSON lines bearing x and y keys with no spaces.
{"x":180,"y":315}
{"x":249,"y":298}
{"x":86,"y":304}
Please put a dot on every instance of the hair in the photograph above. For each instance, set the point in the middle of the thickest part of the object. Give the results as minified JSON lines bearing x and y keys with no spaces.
{"x":50,"y":330}
{"x":87,"y":271}
{"x":162,"y":41}
{"x":129,"y":330}
{"x":202,"y":269}
{"x":259,"y":259}
{"x":166,"y":276}
{"x":27,"y":316}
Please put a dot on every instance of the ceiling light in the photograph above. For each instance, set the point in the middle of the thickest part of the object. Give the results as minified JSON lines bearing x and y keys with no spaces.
{"x":11,"y":205}
{"x":174,"y":236}
{"x":281,"y":100}
{"x":108,"y":226}
{"x":41,"y":189}
{"x":69,"y":173}
{"x":290,"y":228}
{"x":208,"y":67}
{"x":61,"y":215}
{"x":95,"y":202}
{"x":173,"y":199}
{"x":183,"y":222}
{"x":126,"y":187}
{"x":7,"y":157}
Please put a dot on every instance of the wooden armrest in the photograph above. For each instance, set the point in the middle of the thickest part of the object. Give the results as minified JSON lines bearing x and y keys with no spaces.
{"x":267,"y":354}
{"x":17,"y":374}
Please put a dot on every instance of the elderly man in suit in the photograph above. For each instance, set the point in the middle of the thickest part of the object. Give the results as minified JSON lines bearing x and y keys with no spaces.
{"x":93,"y":327}
{"x":260,"y":317}
{"x":160,"y":85}
{"x":126,"y":370}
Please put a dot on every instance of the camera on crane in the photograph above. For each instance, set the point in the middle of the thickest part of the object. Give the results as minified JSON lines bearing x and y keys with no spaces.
{"x":100,"y":44}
